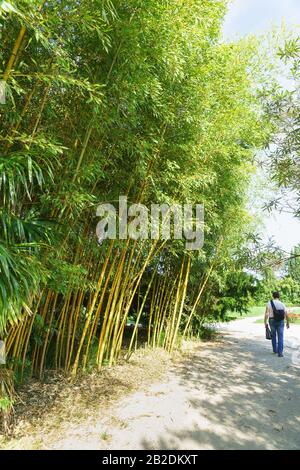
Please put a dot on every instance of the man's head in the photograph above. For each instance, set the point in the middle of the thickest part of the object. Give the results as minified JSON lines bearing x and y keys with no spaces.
{"x":276,"y":295}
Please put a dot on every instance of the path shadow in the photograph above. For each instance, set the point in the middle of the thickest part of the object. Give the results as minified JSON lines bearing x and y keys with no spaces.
{"x":249,"y":397}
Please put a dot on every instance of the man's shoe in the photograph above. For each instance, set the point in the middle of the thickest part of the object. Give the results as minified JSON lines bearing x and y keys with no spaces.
{"x":280,"y":355}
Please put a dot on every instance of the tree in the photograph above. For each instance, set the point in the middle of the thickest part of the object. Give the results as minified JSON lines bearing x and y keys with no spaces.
{"x":114,"y":98}
{"x":282,"y":106}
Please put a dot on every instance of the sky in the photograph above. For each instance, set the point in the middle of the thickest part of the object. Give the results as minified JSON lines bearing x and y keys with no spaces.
{"x":252,"y":17}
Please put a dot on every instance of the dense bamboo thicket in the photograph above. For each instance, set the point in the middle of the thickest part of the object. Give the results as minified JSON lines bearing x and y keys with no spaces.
{"x":107,"y":98}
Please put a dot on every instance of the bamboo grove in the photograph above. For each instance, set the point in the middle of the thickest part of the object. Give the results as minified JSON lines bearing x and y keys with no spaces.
{"x":107,"y":98}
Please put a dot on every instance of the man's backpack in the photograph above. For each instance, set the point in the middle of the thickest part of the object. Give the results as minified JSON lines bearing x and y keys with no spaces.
{"x":278,"y":314}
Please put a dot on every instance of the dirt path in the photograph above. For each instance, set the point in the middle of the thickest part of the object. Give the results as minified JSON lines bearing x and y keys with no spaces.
{"x":232,"y":394}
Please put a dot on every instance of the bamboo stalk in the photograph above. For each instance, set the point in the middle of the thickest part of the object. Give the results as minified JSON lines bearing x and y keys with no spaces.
{"x":98,"y":312}
{"x":206,"y":278}
{"x":174,"y":313}
{"x":109,"y":312}
{"x":60,"y":330}
{"x":165,"y":308}
{"x":76,"y":318}
{"x":91,"y":310}
{"x":42,"y":360}
{"x":146,"y":262}
{"x":34,"y":361}
{"x":152,"y":304}
{"x":140,"y":311}
{"x":156,"y":311}
{"x":125,"y":286}
{"x":39,"y":116}
{"x":12,"y":58}
{"x":185,"y":284}
{"x":16,"y":48}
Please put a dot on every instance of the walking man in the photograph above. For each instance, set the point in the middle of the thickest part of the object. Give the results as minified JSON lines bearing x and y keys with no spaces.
{"x":276,"y":314}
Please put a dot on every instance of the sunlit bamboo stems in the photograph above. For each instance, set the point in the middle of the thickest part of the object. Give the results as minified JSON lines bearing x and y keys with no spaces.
{"x":42,"y":359}
{"x":91,"y":310}
{"x":183,"y":295}
{"x":202,"y":287}
{"x":157,"y":310}
{"x":140,"y":311}
{"x":123,"y":293}
{"x":133,"y":293}
{"x":59,"y":340}
{"x":110,"y":308}
{"x":166,"y":309}
{"x":12,"y":58}
{"x":93,"y":328}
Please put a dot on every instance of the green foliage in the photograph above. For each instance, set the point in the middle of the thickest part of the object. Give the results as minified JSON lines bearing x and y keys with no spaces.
{"x":287,"y":283}
{"x":106,"y":98}
{"x":5,"y":404}
{"x":282,"y":107}
{"x":64,"y":276}
{"x":293,"y":265}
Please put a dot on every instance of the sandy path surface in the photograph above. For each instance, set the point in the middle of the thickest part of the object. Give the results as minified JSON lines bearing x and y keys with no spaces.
{"x":233,"y":394}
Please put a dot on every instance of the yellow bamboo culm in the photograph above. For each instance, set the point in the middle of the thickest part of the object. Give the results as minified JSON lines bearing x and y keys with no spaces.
{"x":202,"y":287}
{"x":14,"y":53}
{"x":183,"y":296}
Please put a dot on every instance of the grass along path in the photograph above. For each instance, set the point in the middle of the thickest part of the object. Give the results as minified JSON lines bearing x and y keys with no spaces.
{"x":257,"y":311}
